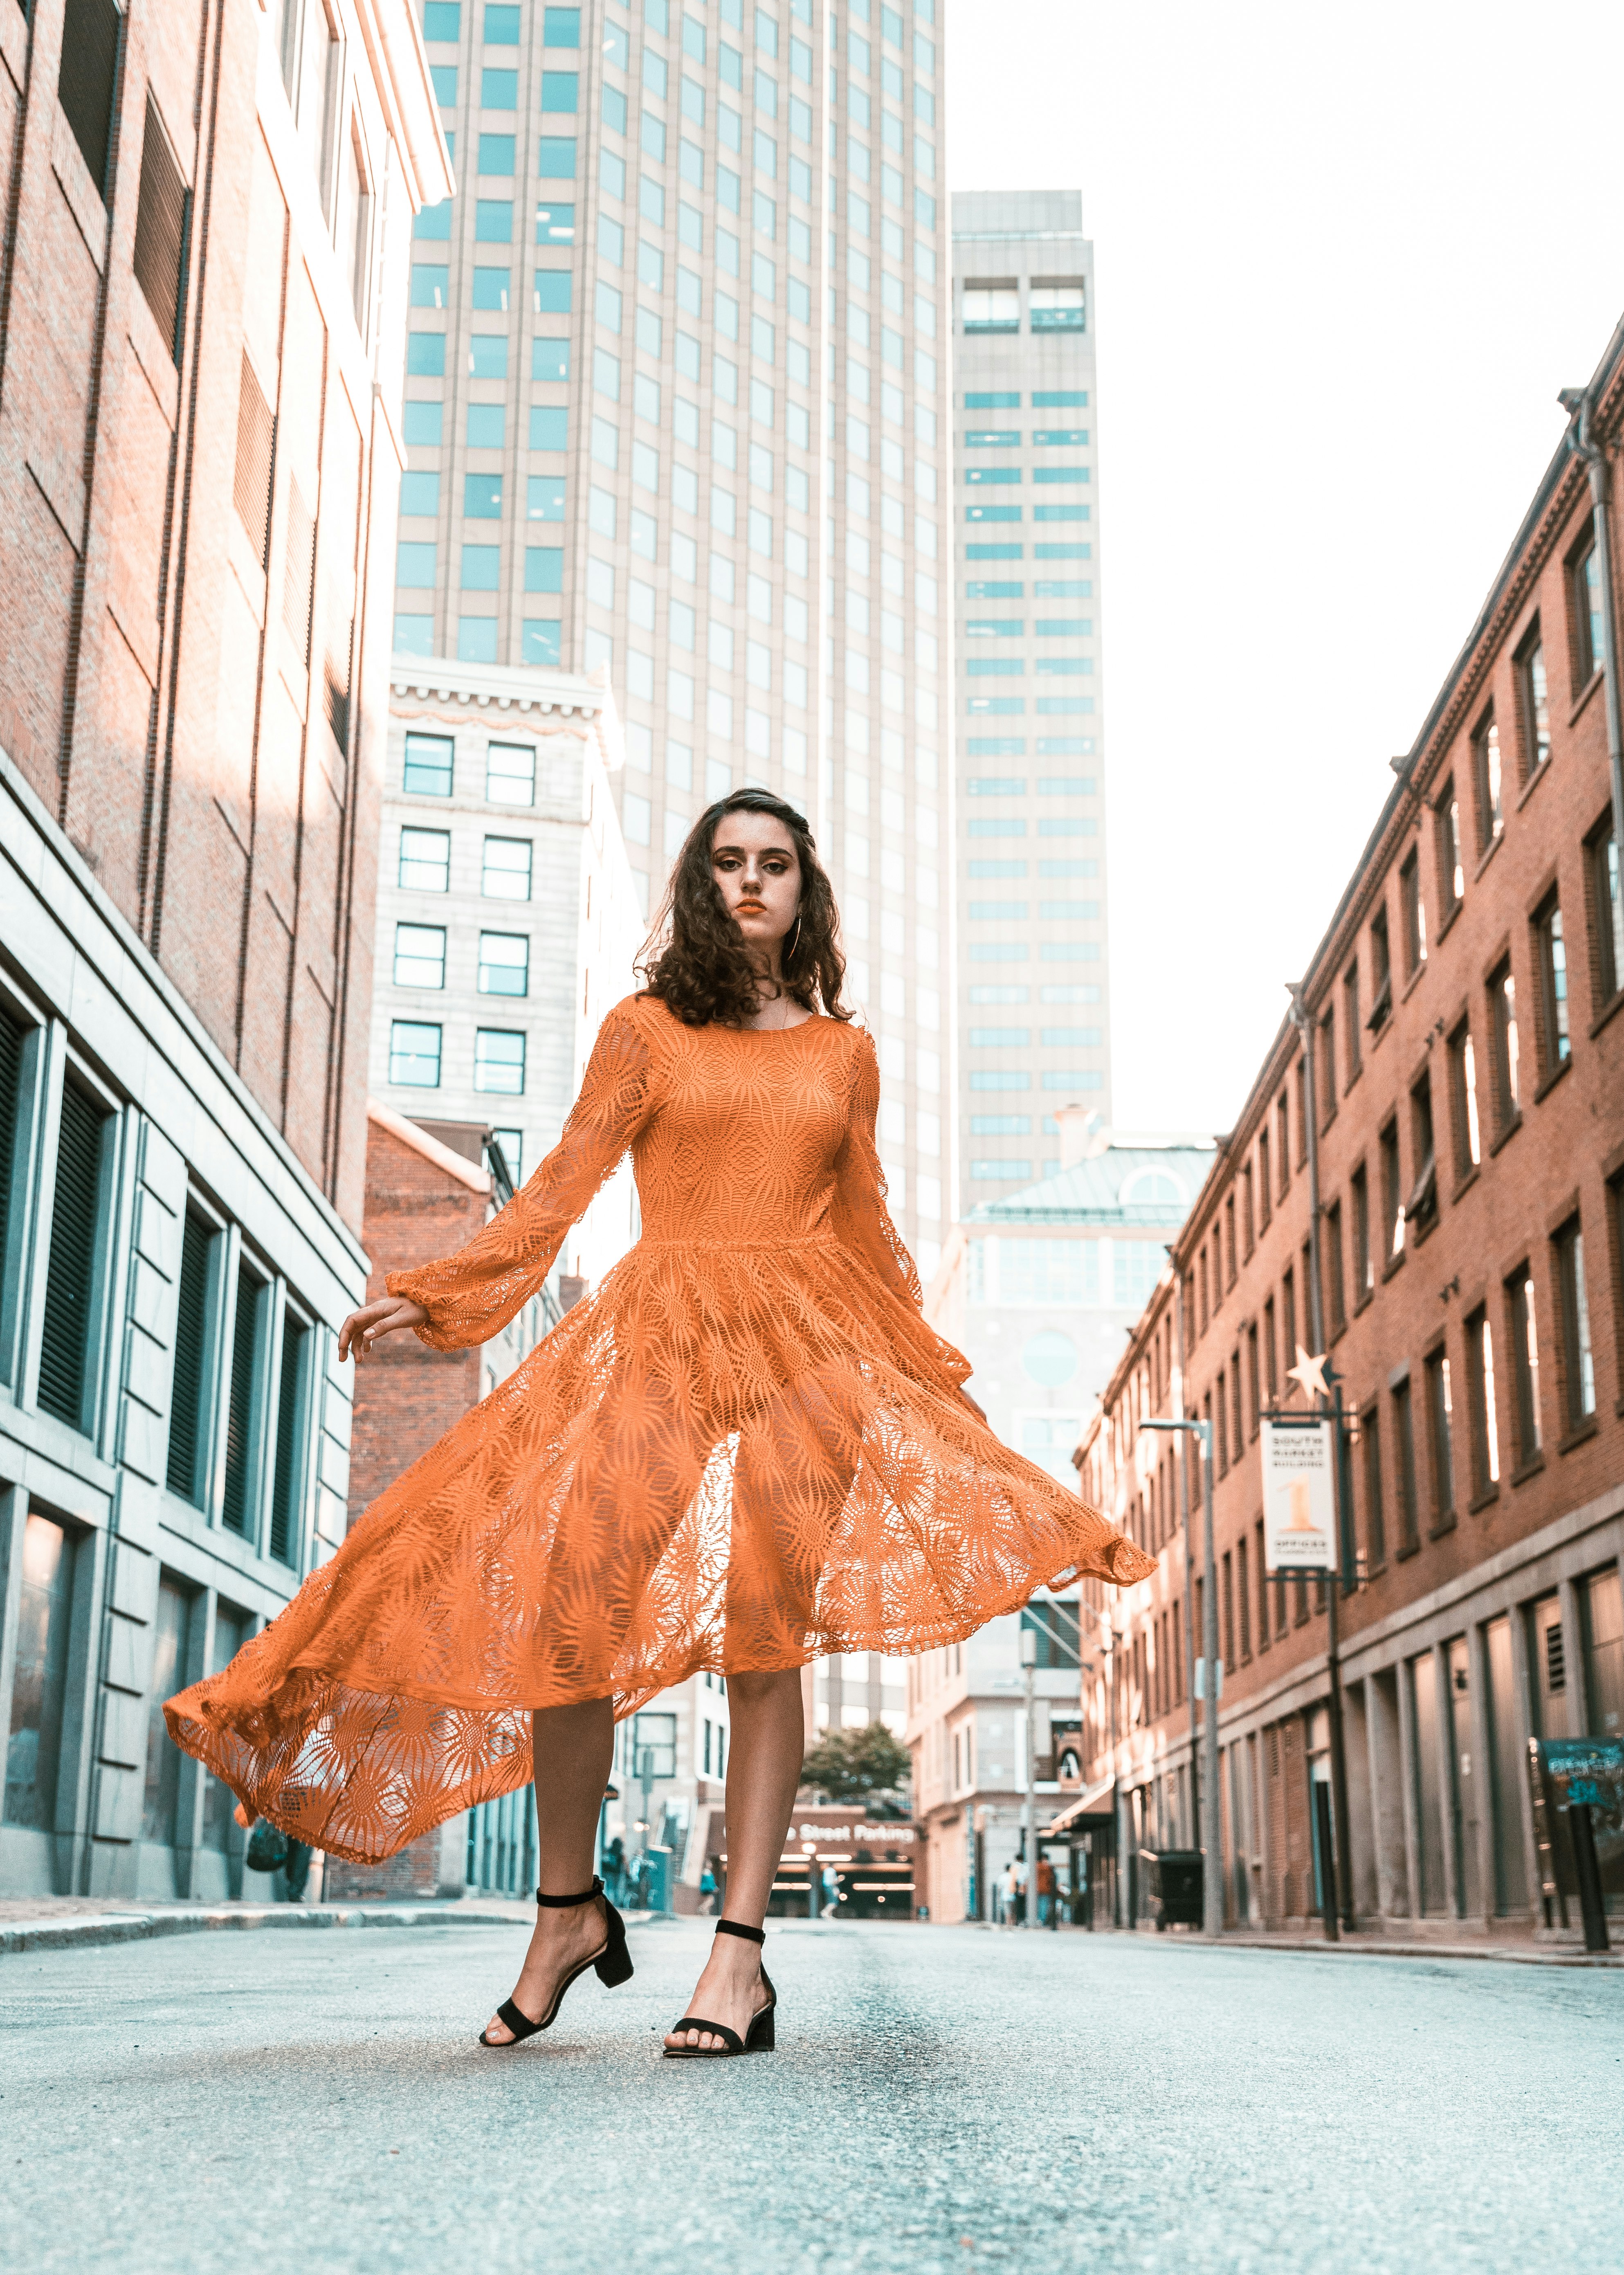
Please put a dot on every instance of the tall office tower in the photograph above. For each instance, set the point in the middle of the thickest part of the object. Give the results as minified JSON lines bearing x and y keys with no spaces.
{"x":1032,"y":1012}
{"x":675,"y":406}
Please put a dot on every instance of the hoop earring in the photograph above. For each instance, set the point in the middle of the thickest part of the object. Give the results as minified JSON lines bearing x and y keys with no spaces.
{"x":793,"y":938}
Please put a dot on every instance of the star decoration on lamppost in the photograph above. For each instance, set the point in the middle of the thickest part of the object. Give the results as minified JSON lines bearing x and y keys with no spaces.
{"x":1309,"y":1374}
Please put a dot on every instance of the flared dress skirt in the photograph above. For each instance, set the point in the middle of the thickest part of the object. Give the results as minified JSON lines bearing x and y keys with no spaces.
{"x":746,"y":1449}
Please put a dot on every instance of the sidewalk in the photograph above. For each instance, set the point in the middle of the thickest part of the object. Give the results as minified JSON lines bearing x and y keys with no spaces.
{"x":65,"y":1923}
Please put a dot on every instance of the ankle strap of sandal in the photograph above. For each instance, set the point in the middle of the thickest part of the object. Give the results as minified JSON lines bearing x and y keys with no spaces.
{"x":564,"y":1903}
{"x":736,"y":1927}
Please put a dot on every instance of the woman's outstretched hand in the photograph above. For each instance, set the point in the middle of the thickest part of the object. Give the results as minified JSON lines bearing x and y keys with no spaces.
{"x":361,"y":1330}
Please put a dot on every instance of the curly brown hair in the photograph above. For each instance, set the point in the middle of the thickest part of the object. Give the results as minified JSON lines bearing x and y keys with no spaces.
{"x":696,"y":961}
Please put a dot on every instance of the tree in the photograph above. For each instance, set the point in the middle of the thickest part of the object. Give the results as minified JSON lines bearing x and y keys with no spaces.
{"x":854,"y":1765}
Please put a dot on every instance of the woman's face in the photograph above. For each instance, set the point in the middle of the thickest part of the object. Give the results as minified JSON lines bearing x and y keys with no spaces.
{"x":758,"y":874}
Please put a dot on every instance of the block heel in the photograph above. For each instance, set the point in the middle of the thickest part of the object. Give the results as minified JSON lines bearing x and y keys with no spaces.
{"x":613,"y":1964}
{"x":762,"y":2037}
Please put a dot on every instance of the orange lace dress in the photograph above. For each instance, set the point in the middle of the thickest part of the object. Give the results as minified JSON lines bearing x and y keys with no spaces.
{"x":746,"y":1450}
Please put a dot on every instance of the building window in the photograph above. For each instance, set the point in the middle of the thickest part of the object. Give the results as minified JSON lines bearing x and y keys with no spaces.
{"x":1421,"y":1209}
{"x":1523,"y":1339}
{"x":419,"y":955}
{"x":1503,"y":1025}
{"x":1364,"y":1271}
{"x":1328,"y":1065}
{"x":1350,"y":1022}
{"x":504,"y":963}
{"x":1057,"y":309}
{"x":1392,"y":1193}
{"x":1451,"y":852}
{"x":39,"y":1685}
{"x":67,"y":1363}
{"x":499,"y":1061}
{"x":505,"y":875}
{"x":1533,"y":704}
{"x":1550,"y":963}
{"x":1587,"y":616}
{"x":510,"y":775}
{"x":1404,"y":1450}
{"x":1414,"y":915}
{"x":1375,"y":1519}
{"x":1260,"y":1567}
{"x":1578,"y":1359}
{"x":239,"y":1499}
{"x":1464,"y":1124}
{"x":1381,"y":972}
{"x":1254,"y":1376}
{"x":1606,"y":911}
{"x":1282,"y":1113}
{"x":287,"y":1480}
{"x":1333,"y":1263}
{"x":427,"y":769}
{"x":1265,"y":1198}
{"x":1270,"y":1365}
{"x":1486,"y":778}
{"x":414,"y":1055}
{"x":992,"y":308}
{"x":186,"y":1469}
{"x":425,"y":860}
{"x":162,"y":212}
{"x":1440,"y":1430}
{"x":1482,"y":1411}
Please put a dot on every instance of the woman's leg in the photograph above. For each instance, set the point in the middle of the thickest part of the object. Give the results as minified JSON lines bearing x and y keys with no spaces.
{"x":572,"y":1749}
{"x":764,"y":1770}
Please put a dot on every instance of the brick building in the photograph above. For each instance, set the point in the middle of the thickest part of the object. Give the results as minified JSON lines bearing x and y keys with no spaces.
{"x":1468,"y":1083}
{"x":203,"y":300}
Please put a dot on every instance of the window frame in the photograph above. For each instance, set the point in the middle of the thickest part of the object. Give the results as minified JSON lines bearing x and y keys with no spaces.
{"x":1465,"y":1107}
{"x":1553,"y":1022}
{"x":1412,"y":904}
{"x":1522,"y":1312}
{"x":1482,"y":1407}
{"x":1530,"y":656}
{"x":1606,"y":932}
{"x":1440,"y":1437}
{"x":1576,"y":1342}
{"x":1506,"y":1049}
{"x":1489,"y":800}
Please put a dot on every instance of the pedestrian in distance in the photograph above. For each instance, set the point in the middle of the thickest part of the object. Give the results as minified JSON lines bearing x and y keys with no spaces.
{"x":707,"y":1891}
{"x":1046,"y":1893}
{"x":1012,"y":1895}
{"x":744,"y":1451}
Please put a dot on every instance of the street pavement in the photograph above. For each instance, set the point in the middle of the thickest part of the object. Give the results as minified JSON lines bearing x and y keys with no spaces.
{"x":943,"y":2099}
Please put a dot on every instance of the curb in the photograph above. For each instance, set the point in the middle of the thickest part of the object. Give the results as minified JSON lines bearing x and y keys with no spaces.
{"x":1346,"y":1947}
{"x":139,"y":1927}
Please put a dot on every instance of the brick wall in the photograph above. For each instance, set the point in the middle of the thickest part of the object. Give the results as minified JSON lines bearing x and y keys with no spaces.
{"x":1477,"y":1519}
{"x":165,"y":665}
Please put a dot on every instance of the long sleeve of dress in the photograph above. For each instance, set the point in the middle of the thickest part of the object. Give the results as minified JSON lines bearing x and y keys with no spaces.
{"x":471,"y":1295}
{"x":862,"y":1222}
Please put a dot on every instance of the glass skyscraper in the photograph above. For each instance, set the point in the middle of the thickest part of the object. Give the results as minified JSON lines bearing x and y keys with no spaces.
{"x":1033,"y":1000}
{"x":677,"y":408}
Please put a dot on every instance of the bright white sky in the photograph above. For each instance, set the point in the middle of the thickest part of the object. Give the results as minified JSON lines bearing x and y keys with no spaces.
{"x":1345,"y":261}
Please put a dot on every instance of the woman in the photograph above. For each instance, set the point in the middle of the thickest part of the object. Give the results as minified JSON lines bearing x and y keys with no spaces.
{"x":745,"y":1451}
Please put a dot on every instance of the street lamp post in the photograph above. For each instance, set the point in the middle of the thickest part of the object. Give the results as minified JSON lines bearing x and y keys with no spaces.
{"x":1028,"y":1665}
{"x":1211,"y":1883}
{"x":1338,"y":1865}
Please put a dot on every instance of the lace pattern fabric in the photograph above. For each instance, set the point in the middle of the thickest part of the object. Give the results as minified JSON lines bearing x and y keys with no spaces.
{"x":745,"y":1449}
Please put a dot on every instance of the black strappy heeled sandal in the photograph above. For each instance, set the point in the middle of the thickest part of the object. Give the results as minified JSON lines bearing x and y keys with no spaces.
{"x":760,"y":2038}
{"x":613,"y":1963}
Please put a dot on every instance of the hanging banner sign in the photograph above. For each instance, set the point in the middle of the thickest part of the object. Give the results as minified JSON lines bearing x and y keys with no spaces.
{"x":1299,"y":1496}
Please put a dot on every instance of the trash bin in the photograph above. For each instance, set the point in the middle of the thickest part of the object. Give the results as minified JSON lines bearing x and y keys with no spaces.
{"x":1172,"y":1887}
{"x":656,"y":1891}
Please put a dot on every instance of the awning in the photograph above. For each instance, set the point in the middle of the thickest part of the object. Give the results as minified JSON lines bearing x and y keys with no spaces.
{"x":1086,"y":1804}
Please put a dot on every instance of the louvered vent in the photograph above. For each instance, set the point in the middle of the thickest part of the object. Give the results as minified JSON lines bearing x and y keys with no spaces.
{"x":239,"y":1416}
{"x":256,"y":442}
{"x":186,"y":1405}
{"x":162,"y":211}
{"x":13,"y":1035}
{"x":70,"y":1281}
{"x":284,"y":1489}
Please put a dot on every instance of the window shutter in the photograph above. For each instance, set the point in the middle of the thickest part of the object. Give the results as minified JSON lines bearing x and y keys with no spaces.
{"x":284,"y":1489}
{"x":256,"y":444}
{"x":88,"y":78}
{"x":70,"y":1281}
{"x":186,"y":1453}
{"x":162,"y":209}
{"x":340,"y":653}
{"x":239,"y":1416}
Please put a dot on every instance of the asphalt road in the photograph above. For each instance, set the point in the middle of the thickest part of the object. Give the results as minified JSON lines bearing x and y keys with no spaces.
{"x":941,"y":2099}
